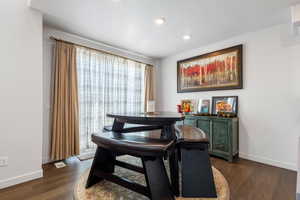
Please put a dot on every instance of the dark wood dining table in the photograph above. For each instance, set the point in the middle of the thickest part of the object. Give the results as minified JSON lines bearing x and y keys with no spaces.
{"x":151,"y":121}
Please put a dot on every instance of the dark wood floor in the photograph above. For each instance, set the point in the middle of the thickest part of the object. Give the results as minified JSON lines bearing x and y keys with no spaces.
{"x":248,"y":181}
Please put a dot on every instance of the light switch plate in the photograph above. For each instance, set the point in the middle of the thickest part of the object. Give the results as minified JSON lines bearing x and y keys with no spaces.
{"x":3,"y":161}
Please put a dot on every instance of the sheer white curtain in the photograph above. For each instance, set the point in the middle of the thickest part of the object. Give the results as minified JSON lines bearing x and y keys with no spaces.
{"x":106,"y":83}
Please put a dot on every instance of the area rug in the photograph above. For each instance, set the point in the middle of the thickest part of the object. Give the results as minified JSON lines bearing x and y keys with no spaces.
{"x":85,"y":157}
{"x":109,"y":191}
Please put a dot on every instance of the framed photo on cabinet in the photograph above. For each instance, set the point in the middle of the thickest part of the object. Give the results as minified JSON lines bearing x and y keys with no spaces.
{"x":189,"y":105}
{"x":225,"y":104}
{"x":204,"y":106}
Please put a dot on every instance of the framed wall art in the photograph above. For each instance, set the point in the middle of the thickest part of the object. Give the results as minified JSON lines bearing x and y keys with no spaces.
{"x":219,"y":70}
{"x":225,"y":104}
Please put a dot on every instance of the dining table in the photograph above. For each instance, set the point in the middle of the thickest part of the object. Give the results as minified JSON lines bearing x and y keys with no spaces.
{"x":157,"y":120}
{"x":165,"y":121}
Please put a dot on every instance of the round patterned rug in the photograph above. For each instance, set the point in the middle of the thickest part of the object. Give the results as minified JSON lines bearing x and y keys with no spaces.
{"x":109,"y":191}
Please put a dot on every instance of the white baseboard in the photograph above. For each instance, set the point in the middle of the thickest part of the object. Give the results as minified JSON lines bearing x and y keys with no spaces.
{"x":289,"y":166}
{"x":21,"y":179}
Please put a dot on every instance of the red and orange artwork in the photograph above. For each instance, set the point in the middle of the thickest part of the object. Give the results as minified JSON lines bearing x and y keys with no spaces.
{"x":210,"y":72}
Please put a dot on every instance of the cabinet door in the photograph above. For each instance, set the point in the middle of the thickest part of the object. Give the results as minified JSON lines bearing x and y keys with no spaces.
{"x":220,"y":136}
{"x":204,"y":125}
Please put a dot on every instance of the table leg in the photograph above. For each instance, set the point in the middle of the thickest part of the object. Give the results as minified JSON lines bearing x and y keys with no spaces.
{"x":196,"y":171}
{"x":174,"y":172}
{"x":157,"y":179}
{"x":118,"y":126}
{"x":168,"y":132}
{"x":104,"y":161}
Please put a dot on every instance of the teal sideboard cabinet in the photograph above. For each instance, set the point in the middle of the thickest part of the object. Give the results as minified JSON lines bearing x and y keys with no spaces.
{"x":223,"y":134}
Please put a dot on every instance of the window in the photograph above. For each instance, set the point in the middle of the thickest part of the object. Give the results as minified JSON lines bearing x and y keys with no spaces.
{"x":106,"y":83}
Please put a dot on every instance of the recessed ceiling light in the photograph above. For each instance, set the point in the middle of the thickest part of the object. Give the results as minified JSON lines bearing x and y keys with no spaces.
{"x":186,"y":37}
{"x":160,"y":21}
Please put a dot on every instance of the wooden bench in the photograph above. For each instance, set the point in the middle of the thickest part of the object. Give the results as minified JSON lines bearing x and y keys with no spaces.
{"x":197,"y":177}
{"x":147,"y":145}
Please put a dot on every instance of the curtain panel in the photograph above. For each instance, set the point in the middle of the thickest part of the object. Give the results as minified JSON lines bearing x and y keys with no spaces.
{"x":65,"y":121}
{"x":107,"y":84}
{"x":149,"y":85}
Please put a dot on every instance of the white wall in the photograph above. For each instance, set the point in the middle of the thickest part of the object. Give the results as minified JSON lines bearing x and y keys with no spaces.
{"x":47,"y":70}
{"x":268,"y":104}
{"x":20,"y":92}
{"x":298,"y":177}
{"x":47,"y":74}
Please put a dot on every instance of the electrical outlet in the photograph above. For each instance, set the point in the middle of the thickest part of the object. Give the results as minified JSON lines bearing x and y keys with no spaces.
{"x":3,"y":161}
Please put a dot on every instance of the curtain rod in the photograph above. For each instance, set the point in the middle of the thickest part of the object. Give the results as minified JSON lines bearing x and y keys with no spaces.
{"x":94,"y":49}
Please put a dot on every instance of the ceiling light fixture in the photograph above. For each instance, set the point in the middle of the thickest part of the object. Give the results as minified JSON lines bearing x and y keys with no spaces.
{"x":186,"y":37}
{"x":160,"y":21}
